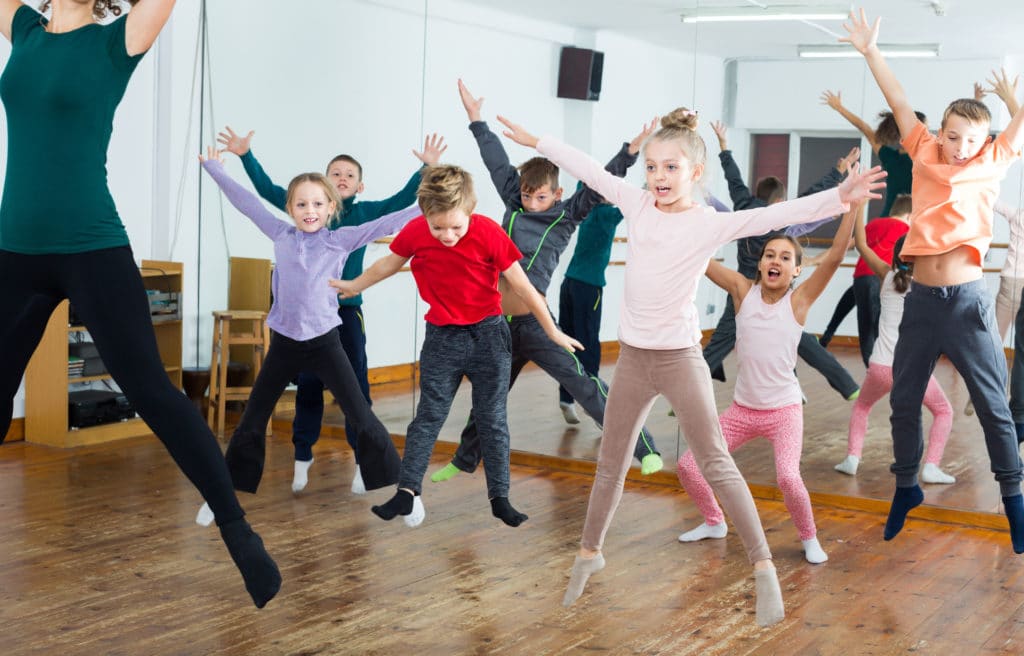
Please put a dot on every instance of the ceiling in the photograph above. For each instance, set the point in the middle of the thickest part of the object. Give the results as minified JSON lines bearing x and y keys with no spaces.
{"x":967,"y":29}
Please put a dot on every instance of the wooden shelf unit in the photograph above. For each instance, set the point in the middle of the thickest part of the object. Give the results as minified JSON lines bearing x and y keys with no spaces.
{"x":47,"y":379}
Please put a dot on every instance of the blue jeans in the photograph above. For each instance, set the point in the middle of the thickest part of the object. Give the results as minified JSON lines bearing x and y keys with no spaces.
{"x":957,"y":321}
{"x":309,"y":397}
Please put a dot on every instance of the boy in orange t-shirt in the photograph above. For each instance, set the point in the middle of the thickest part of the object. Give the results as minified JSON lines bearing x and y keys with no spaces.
{"x":949,"y":310}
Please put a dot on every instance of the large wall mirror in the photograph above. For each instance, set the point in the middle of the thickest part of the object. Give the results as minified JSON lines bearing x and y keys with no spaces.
{"x":371,"y":78}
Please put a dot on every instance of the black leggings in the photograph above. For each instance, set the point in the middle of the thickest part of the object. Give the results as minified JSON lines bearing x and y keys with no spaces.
{"x":106,"y":292}
{"x":325,"y":358}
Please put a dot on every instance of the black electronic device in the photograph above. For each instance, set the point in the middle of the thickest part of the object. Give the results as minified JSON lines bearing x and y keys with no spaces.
{"x":579,"y":73}
{"x":94,"y":407}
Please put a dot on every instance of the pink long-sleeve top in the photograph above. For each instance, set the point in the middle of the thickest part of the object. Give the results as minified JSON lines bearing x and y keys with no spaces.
{"x":667,"y":253}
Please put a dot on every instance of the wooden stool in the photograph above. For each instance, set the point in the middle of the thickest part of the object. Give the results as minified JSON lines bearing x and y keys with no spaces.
{"x":253,"y":330}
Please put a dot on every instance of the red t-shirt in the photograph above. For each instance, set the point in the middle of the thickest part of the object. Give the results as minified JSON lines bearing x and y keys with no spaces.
{"x":460,"y":282}
{"x":882,"y":234}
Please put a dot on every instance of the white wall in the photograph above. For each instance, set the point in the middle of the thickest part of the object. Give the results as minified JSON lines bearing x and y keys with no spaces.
{"x":321,"y":80}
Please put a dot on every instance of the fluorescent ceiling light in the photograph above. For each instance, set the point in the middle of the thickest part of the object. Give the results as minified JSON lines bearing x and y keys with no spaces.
{"x":775,"y":13}
{"x":888,"y":50}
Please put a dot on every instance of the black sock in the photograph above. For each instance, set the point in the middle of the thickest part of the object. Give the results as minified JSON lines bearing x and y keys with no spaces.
{"x":718,"y":373}
{"x":400,"y":504}
{"x":503,"y":510}
{"x":258,"y":569}
{"x":905,"y":500}
{"x":1015,"y":513}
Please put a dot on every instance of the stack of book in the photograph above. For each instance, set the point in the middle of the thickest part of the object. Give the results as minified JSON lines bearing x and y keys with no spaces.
{"x":75,"y":367}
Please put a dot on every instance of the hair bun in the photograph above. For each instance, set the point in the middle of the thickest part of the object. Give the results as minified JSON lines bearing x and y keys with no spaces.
{"x":680,"y":118}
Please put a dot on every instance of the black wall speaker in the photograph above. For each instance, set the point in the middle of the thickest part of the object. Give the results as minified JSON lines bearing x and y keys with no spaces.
{"x":579,"y":73}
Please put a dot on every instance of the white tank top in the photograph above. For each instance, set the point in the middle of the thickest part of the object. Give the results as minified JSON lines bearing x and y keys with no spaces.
{"x":767,"y":337}
{"x":888,"y":321}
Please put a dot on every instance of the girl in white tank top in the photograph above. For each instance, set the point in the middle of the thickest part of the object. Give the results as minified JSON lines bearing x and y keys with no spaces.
{"x":767,"y":402}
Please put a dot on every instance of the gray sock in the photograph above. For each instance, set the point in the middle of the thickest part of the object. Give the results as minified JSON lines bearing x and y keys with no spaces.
{"x":769,"y":597}
{"x":582,"y":568}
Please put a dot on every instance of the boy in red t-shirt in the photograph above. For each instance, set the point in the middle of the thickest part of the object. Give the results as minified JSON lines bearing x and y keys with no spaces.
{"x":456,"y":259}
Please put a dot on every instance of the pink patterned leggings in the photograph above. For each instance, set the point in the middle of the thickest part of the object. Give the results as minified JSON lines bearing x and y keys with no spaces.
{"x":877,"y":384}
{"x":784,"y":428}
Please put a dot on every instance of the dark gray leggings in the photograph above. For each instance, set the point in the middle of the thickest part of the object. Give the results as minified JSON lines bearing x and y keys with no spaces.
{"x":482,"y":353}
{"x":106,"y":292}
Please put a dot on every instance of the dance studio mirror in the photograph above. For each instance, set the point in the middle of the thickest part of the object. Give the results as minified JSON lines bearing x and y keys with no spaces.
{"x":371,"y":77}
{"x":314,"y":80}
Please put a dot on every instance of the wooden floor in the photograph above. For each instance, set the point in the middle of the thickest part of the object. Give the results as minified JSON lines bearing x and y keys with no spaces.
{"x":537,"y":427}
{"x":100,"y":556}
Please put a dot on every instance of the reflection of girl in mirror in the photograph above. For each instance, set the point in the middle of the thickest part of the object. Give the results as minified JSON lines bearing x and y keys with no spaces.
{"x":60,"y":87}
{"x":878,"y":380}
{"x":770,"y":317}
{"x":304,"y":320}
{"x":346,"y":174}
{"x":863,"y":294}
{"x":671,"y":240}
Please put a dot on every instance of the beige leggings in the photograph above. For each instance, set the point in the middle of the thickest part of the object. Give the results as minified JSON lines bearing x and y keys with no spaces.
{"x":682,"y":376}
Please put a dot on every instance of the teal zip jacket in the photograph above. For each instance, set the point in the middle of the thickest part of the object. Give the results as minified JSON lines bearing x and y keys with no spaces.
{"x":352,"y":212}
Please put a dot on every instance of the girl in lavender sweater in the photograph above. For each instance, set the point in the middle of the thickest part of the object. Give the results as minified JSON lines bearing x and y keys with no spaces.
{"x":671,"y":240}
{"x":303,"y":319}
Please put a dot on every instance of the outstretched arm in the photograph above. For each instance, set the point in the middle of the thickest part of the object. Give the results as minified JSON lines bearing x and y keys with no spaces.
{"x":835,"y":101}
{"x":860,"y":238}
{"x":864,"y":37}
{"x":144,"y":23}
{"x":811,"y":289}
{"x":584,"y":199}
{"x":735,"y":283}
{"x":1005,"y":89}
{"x":516,"y":278}
{"x":243,"y":200}
{"x":386,"y":266}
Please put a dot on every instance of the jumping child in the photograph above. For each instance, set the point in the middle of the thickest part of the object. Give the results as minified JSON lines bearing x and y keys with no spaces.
{"x":671,"y":241}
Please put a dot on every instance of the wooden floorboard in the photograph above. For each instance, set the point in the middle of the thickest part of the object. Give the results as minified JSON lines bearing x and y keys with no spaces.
{"x":101,"y":556}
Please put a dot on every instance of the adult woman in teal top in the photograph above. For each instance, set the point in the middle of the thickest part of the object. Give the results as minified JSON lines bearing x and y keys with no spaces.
{"x":61,"y":237}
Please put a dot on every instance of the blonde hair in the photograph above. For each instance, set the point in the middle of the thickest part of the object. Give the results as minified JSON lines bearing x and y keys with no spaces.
{"x":445,"y":187}
{"x":315,"y":178}
{"x":681,"y":124}
{"x":973,"y":110}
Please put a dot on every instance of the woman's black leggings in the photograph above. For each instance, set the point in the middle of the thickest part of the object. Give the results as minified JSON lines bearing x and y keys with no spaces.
{"x":106,"y":292}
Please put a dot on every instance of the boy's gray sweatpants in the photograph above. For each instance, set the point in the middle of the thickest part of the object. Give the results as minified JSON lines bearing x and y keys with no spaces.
{"x":482,"y":353}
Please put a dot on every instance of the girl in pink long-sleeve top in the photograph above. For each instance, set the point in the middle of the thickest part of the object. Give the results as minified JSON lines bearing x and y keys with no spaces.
{"x":671,"y":241}
{"x":770,"y":316}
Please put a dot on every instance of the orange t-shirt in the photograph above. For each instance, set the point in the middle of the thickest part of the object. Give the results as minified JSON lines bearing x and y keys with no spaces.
{"x":953,"y":204}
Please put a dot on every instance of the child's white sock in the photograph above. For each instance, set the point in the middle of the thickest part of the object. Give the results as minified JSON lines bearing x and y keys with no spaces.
{"x":357,"y":483}
{"x":770,"y":609}
{"x":813,"y":551}
{"x":931,"y":473}
{"x":418,"y":514}
{"x":569,"y":412}
{"x":848,"y":466}
{"x":582,"y":568}
{"x":301,"y":476}
{"x":705,"y":531}
{"x":205,"y":516}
